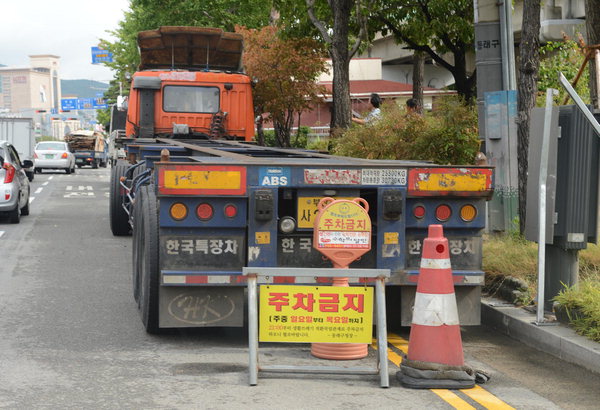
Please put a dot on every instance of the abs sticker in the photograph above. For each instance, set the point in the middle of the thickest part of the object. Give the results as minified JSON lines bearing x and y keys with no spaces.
{"x":274,"y":176}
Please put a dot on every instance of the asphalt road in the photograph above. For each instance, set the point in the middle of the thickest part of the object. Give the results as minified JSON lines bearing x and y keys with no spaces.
{"x":72,"y":338}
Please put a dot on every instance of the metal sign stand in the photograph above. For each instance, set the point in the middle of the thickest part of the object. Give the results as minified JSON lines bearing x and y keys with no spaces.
{"x":380,"y":275}
{"x":542,"y":205}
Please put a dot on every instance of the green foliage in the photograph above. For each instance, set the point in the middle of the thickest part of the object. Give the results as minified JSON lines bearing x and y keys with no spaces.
{"x":299,"y":140}
{"x":566,"y":57}
{"x":582,"y":303}
{"x":447,"y":135}
{"x":435,"y":27}
{"x":285,"y":72}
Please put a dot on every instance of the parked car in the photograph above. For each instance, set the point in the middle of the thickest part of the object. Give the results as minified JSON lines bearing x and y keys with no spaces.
{"x":53,"y":155}
{"x":14,"y":184}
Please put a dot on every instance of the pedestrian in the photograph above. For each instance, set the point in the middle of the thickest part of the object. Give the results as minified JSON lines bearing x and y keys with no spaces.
{"x":412,"y":105}
{"x":375,"y":113}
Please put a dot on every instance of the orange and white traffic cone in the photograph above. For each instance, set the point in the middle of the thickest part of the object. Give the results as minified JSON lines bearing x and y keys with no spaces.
{"x":435,"y":344}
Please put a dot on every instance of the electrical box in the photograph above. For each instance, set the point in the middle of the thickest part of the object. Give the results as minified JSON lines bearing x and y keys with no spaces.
{"x":573,"y":171}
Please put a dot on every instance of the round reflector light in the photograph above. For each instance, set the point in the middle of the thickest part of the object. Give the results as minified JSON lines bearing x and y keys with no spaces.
{"x":443,"y":212}
{"x":468,"y":213}
{"x":419,"y":211}
{"x":178,"y":211}
{"x":204,"y":211}
{"x":287,"y":224}
{"x":230,"y":211}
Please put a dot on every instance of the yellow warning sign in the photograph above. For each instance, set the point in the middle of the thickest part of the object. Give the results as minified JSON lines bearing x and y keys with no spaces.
{"x":318,"y":314}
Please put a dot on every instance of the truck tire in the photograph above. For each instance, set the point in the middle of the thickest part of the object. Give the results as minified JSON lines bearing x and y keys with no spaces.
{"x":119,"y":220}
{"x":149,"y":261}
{"x":94,"y":164}
{"x":138,"y":207}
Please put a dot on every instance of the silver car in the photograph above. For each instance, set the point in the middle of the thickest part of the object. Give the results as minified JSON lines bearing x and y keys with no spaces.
{"x":14,"y":184}
{"x":53,"y":155}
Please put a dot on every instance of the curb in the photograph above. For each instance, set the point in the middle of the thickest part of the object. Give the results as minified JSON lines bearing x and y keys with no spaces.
{"x":557,"y":340}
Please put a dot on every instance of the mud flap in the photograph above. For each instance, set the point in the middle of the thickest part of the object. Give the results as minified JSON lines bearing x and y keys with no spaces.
{"x":207,"y":306}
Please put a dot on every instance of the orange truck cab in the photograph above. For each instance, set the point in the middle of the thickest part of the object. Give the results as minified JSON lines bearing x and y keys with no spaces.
{"x":190,"y":85}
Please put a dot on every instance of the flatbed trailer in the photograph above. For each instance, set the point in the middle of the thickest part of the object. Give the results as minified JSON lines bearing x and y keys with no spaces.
{"x":207,"y":208}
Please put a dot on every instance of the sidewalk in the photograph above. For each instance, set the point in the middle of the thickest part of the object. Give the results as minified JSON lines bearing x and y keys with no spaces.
{"x":558,"y":340}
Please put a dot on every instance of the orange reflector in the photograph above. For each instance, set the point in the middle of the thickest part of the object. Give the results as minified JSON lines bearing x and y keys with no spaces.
{"x":204,"y":211}
{"x":468,"y":213}
{"x":230,"y":211}
{"x":442,"y":213}
{"x":419,"y":211}
{"x":178,"y":211}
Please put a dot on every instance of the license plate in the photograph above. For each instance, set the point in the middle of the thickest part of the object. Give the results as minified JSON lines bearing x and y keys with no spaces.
{"x":49,"y":156}
{"x":307,"y":210}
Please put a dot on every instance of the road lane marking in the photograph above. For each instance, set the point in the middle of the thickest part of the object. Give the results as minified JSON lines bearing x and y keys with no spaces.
{"x":49,"y":178}
{"x":477,"y":393}
{"x":37,"y":191}
{"x":45,"y":183}
{"x":392,"y":356}
{"x":1,"y":233}
{"x":452,"y":399}
{"x":31,"y":198}
{"x":486,"y":399}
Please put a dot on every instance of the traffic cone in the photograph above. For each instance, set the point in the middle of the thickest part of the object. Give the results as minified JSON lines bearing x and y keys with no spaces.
{"x":435,"y":330}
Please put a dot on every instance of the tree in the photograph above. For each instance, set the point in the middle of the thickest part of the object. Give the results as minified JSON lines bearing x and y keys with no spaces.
{"x":417,"y":79}
{"x":434,"y":27}
{"x":285,"y":71}
{"x":529,"y":62}
{"x":151,"y":14}
{"x":338,"y":42}
{"x":592,"y":25}
{"x":342,"y":26}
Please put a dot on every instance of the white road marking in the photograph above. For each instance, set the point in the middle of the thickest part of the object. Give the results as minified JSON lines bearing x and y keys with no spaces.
{"x":31,"y":198}
{"x":78,"y":194}
{"x":1,"y":233}
{"x":49,"y":178}
{"x":83,"y":188}
{"x":45,"y":183}
{"x":37,"y":191}
{"x":69,"y":188}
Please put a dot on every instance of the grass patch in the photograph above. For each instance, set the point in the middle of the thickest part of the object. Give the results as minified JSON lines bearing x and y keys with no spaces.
{"x":582,"y":303}
{"x":510,"y":259}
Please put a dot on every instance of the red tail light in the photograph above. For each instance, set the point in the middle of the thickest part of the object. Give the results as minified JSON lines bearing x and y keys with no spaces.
{"x":443,"y":213}
{"x":419,"y":211}
{"x":10,"y":173}
{"x":35,"y":155}
{"x":230,"y":211}
{"x":64,"y":155}
{"x":204,"y":211}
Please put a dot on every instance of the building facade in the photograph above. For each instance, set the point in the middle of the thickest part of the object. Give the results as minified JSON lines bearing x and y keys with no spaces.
{"x":24,"y":90}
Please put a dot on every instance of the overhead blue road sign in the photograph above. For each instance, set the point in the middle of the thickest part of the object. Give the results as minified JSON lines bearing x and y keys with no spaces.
{"x":100,"y":56}
{"x":67,"y":104}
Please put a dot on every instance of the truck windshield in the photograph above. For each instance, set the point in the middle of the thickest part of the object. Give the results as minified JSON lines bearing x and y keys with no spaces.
{"x":190,"y":99}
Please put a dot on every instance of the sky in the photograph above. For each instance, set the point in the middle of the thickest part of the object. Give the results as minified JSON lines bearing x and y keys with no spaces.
{"x":66,"y":28}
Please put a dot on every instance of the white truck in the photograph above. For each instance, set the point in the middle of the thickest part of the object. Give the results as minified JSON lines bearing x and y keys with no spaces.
{"x":19,"y":132}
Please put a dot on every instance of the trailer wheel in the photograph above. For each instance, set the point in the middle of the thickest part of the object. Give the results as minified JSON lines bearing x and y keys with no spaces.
{"x":119,"y":221}
{"x":138,"y":211}
{"x":148,"y":257}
